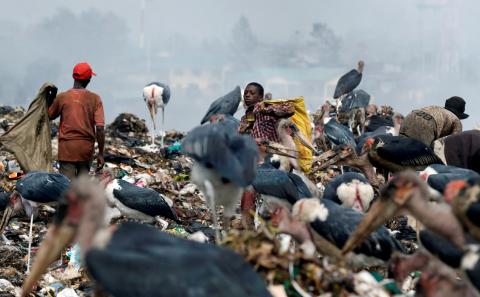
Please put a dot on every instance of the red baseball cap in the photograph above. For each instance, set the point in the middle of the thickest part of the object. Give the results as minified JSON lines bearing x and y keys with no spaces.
{"x":82,"y":71}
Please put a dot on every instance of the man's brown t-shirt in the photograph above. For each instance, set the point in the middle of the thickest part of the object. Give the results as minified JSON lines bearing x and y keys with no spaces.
{"x":80,"y":111}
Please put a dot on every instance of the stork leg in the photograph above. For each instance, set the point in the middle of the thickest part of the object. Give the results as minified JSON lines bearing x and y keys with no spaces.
{"x":29,"y":244}
{"x":210,"y":192}
{"x":163,"y":127}
{"x":153,"y":115}
{"x":5,"y":239}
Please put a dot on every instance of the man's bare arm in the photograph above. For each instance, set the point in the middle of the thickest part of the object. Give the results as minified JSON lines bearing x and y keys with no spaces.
{"x":100,"y":135}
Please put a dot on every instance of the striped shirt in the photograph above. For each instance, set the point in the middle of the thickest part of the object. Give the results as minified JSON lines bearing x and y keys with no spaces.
{"x":261,"y":121}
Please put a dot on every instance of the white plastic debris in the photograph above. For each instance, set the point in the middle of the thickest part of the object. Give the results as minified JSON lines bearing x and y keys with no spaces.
{"x":151,"y":148}
{"x":285,"y":241}
{"x":188,"y":189}
{"x":6,"y":286}
{"x":127,"y":168}
{"x":129,"y":179}
{"x":67,"y":292}
{"x":198,"y":236}
{"x":143,"y":179}
{"x":366,"y":285}
{"x":74,"y":254}
{"x":162,"y":222}
{"x":277,"y":290}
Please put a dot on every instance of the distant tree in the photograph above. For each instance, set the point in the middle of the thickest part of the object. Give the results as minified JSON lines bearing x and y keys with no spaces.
{"x":245,"y":45}
{"x":325,"y":42}
{"x":243,"y":36}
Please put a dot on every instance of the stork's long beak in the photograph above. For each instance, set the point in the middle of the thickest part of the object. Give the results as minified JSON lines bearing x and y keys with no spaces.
{"x":277,"y":149}
{"x":57,"y":238}
{"x":298,"y":135}
{"x":331,"y":157}
{"x":325,"y":156}
{"x":7,"y":214}
{"x":380,"y":212}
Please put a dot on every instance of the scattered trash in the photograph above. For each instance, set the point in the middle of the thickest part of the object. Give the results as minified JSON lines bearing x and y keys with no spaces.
{"x":198,"y":236}
{"x":6,"y":286}
{"x":74,"y":257}
{"x":67,"y":292}
{"x":131,"y":157}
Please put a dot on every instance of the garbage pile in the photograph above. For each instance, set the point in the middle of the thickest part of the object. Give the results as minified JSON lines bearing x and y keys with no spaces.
{"x":130,"y":156}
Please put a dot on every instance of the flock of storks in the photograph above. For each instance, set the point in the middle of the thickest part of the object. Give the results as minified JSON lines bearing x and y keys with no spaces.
{"x":348,"y":214}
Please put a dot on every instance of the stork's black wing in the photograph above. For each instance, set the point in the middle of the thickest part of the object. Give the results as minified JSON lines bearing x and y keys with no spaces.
{"x":405,"y":151}
{"x":4,"y":197}
{"x":339,"y":134}
{"x":145,"y":200}
{"x":233,"y":156}
{"x":227,"y":104}
{"x":473,"y":272}
{"x":441,"y":248}
{"x":347,"y":83}
{"x":280,"y":184}
{"x":42,"y":187}
{"x":355,"y":99}
{"x":447,"y":174}
{"x":341,"y":222}
{"x":170,"y":266}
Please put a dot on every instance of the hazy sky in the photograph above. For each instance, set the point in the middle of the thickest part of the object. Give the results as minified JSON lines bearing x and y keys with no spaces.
{"x":416,"y":52}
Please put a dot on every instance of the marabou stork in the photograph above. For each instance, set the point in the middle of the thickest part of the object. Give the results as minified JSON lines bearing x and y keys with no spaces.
{"x":393,"y":153}
{"x":124,"y":198}
{"x":350,"y":190}
{"x":407,"y":193}
{"x":335,"y":223}
{"x":337,"y":133}
{"x":438,"y":176}
{"x":156,"y":94}
{"x":224,"y":165}
{"x":225,"y":105}
{"x":436,"y":279}
{"x":464,"y":197}
{"x":31,"y":190}
{"x":349,"y":81}
{"x":354,"y":104}
{"x":443,"y":249}
{"x":271,"y":152}
{"x":282,"y":187}
{"x":276,"y":156}
{"x":288,"y":132}
{"x":162,"y":265}
{"x":380,"y":131}
{"x":355,"y":99}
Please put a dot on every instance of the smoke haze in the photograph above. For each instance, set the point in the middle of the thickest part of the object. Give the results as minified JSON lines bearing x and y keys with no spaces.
{"x":416,"y":52}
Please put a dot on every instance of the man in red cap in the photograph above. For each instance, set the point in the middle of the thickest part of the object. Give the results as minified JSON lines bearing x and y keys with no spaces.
{"x":82,"y":121}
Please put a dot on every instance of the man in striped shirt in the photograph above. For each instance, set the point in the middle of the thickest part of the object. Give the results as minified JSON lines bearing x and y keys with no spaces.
{"x":260,"y":119}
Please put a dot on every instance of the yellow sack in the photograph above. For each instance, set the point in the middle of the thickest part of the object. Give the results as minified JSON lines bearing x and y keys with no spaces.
{"x":302,"y":121}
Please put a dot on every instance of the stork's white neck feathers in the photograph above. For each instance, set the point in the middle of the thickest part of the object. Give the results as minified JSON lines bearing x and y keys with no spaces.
{"x":309,"y":210}
{"x":356,"y":195}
